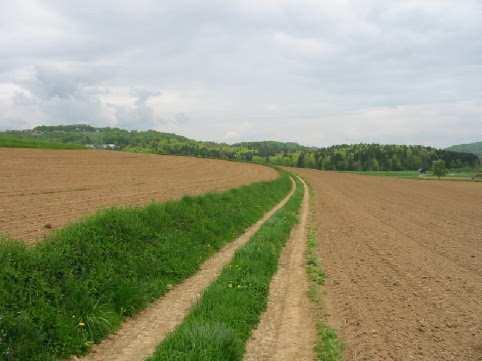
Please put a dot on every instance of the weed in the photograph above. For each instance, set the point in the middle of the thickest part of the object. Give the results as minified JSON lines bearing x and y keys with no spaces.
{"x":328,"y":347}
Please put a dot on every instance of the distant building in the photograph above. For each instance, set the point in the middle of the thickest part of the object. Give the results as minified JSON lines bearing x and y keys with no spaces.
{"x":103,"y":146}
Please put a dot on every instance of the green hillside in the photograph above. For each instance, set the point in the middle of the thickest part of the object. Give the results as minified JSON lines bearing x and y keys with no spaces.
{"x":473,"y":148}
{"x":344,"y":157}
{"x":13,"y":141}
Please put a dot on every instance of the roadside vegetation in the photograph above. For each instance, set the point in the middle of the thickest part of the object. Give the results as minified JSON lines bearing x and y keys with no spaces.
{"x":328,"y":347}
{"x":219,"y":326}
{"x":75,"y":288}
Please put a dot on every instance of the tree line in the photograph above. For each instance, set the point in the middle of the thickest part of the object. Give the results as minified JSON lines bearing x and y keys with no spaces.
{"x":344,"y":157}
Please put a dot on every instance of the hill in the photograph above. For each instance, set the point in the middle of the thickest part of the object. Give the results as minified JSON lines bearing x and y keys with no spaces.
{"x":473,"y":148}
{"x":346,"y":157}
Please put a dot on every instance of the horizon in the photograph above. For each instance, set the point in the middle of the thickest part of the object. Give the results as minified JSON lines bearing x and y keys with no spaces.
{"x":316,"y":74}
{"x":234,"y":143}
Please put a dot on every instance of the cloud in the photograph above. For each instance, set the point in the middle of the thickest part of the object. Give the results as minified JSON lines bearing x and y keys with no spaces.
{"x":300,"y":70}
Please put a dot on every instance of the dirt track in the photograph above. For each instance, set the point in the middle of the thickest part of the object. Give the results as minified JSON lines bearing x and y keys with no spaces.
{"x":404,"y":265}
{"x":139,"y":336}
{"x":42,"y":190}
{"x":286,"y":331}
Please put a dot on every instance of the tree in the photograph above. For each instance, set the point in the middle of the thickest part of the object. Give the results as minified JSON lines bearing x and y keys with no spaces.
{"x":300,"y":163}
{"x":438,"y":168}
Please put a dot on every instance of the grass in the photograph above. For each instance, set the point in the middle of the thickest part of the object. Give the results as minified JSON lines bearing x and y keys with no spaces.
{"x":328,"y":347}
{"x":8,"y":141}
{"x":453,"y":174}
{"x":76,"y":287}
{"x":220,"y":324}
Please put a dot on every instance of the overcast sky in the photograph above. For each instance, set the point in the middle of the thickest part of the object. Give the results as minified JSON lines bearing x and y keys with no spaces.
{"x":312,"y":71}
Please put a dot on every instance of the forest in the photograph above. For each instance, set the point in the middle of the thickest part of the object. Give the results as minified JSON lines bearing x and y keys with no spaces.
{"x":344,"y":157}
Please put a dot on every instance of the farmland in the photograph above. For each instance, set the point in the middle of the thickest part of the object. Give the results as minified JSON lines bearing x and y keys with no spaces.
{"x":46,"y":189}
{"x":374,"y":268}
{"x":76,"y":287}
{"x":403,"y":261}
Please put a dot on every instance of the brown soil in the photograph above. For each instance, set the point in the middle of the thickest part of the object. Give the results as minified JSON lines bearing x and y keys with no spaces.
{"x":41,"y":190}
{"x":404,"y":265}
{"x":287,"y":330}
{"x":139,"y":336}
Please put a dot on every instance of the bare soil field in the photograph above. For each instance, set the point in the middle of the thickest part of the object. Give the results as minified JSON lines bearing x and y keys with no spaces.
{"x":404,"y":265}
{"x":41,"y":190}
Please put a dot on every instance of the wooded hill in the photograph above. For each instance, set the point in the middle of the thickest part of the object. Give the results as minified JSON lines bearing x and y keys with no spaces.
{"x":355,"y":157}
{"x":474,"y":148}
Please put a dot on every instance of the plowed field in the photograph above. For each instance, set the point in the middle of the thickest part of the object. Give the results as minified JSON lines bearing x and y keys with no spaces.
{"x":41,"y":190}
{"x":404,"y":265}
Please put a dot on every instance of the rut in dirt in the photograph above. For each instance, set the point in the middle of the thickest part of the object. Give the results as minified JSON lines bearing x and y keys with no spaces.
{"x":287,"y":330}
{"x":139,"y":336}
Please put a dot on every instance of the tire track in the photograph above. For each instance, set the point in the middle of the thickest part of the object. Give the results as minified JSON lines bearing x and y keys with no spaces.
{"x":287,"y":329}
{"x":139,"y":336}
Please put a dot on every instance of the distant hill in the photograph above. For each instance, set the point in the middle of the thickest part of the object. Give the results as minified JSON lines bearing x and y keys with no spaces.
{"x":473,"y":148}
{"x":346,"y":157}
{"x":270,"y":147}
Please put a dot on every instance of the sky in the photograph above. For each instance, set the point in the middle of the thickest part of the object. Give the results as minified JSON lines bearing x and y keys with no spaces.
{"x":311,"y":71}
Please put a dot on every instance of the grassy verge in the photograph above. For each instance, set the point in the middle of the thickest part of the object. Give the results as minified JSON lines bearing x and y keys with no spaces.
{"x":7,"y":141}
{"x":221,"y":323}
{"x":328,"y":347}
{"x":73,"y":289}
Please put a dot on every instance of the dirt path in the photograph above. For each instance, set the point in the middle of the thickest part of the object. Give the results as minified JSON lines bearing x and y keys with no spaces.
{"x":287,"y":331}
{"x":404,"y":265}
{"x":139,"y":336}
{"x":42,"y":190}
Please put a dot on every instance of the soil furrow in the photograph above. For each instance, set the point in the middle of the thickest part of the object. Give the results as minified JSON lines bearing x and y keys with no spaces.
{"x":46,"y":189}
{"x":403,"y":261}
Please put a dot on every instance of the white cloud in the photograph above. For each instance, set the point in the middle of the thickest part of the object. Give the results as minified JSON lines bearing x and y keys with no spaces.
{"x":301,"y":70}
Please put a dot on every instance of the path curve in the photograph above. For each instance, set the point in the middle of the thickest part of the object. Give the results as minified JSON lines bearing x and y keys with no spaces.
{"x":287,"y":330}
{"x":139,"y":336}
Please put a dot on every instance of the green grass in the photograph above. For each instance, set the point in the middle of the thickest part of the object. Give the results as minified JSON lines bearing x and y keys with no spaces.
{"x":220,"y":324}
{"x":8,"y":141}
{"x":453,"y":174}
{"x":328,"y":346}
{"x":75,"y":288}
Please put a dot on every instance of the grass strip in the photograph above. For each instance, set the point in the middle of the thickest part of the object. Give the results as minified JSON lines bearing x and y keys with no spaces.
{"x":7,"y":141}
{"x":328,"y":347}
{"x":73,"y":289}
{"x":218,"y":327}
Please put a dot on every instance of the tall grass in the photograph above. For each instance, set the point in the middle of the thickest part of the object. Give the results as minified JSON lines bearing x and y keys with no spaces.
{"x":221,"y":323}
{"x":73,"y":289}
{"x":8,"y":141}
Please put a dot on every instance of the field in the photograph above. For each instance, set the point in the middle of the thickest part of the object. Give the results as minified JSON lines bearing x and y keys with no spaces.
{"x":403,"y":261}
{"x":454,"y":175}
{"x":358,"y":268}
{"x":43,"y":190}
{"x":10,"y":141}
